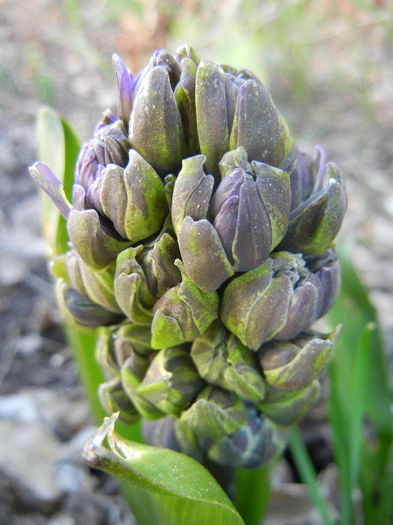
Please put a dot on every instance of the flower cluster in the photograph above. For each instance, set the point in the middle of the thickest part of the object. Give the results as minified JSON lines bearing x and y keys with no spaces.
{"x":201,"y":245}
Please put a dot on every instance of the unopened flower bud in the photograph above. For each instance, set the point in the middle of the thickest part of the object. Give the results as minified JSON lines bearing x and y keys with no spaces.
{"x":182,"y":313}
{"x":233,"y":228}
{"x":280,"y":299}
{"x":215,"y":413}
{"x":286,"y":408}
{"x":171,"y":381}
{"x":317,"y":219}
{"x":293,"y":365}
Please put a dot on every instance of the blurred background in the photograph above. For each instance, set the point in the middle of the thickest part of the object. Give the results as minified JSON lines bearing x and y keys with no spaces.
{"x":329,"y":67}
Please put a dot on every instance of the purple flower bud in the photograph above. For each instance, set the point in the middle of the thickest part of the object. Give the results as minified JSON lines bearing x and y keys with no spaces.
{"x":125,"y":86}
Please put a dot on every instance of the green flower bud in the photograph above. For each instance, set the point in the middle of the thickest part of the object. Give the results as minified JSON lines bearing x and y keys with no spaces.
{"x":287,"y":408}
{"x":158,"y":263}
{"x":215,"y":413}
{"x":133,"y":198}
{"x":278,"y":300}
{"x":258,"y":126}
{"x":252,"y":446}
{"x":118,"y":356}
{"x":317,"y":219}
{"x":182,"y":313}
{"x":77,"y":308}
{"x":185,"y":100}
{"x":249,"y":213}
{"x":192,"y":192}
{"x":293,"y":365}
{"x":223,"y":361}
{"x":67,"y":268}
{"x":171,"y":382}
{"x":243,"y":375}
{"x":131,"y":291}
{"x":91,"y":240}
{"x":105,"y":353}
{"x":156,"y":130}
{"x":136,"y":335}
{"x":211,"y":112}
{"x":170,"y":432}
{"x":99,"y":285}
{"x":114,"y":399}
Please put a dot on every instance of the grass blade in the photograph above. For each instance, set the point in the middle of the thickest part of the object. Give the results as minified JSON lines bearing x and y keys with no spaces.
{"x":308,"y":476}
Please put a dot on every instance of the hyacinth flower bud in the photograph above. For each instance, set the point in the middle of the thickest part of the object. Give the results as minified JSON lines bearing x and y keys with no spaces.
{"x":185,"y":100}
{"x":95,"y":285}
{"x":233,"y":228}
{"x":297,"y":165}
{"x":79,"y":309}
{"x":161,"y":433}
{"x":258,"y":126}
{"x":113,"y":398}
{"x":294,"y":365}
{"x":211,"y":111}
{"x":215,"y":413}
{"x":222,"y":360}
{"x":316,"y":220}
{"x":47,"y":180}
{"x":158,"y":263}
{"x":94,"y":242}
{"x":252,"y":446}
{"x":279,"y":299}
{"x":287,"y":408}
{"x":234,"y":109}
{"x":155,"y":127}
{"x":108,"y":146}
{"x":133,"y":335}
{"x":116,"y":350}
{"x":328,"y":270}
{"x":124,"y":369}
{"x":171,"y":381}
{"x":125,"y":88}
{"x":131,"y":291}
{"x":170,"y":432}
{"x":182,"y":313}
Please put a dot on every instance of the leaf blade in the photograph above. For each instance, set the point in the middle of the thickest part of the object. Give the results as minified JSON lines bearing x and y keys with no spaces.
{"x":164,"y":486}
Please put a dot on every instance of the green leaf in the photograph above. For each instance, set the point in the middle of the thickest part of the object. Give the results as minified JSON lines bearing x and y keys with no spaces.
{"x":360,"y":400}
{"x":58,"y":147}
{"x":308,"y":475}
{"x":346,"y":419}
{"x":164,"y":486}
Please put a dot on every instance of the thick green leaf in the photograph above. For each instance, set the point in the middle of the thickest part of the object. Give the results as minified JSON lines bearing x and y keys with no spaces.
{"x":164,"y":486}
{"x":252,"y":493}
{"x":359,"y":390}
{"x":346,"y":420}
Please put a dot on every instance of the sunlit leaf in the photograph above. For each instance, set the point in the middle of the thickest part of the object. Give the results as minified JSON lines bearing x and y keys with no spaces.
{"x":359,"y":402}
{"x":164,"y":486}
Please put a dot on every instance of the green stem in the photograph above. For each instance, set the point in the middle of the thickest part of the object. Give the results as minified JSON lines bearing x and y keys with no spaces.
{"x":252,"y":493}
